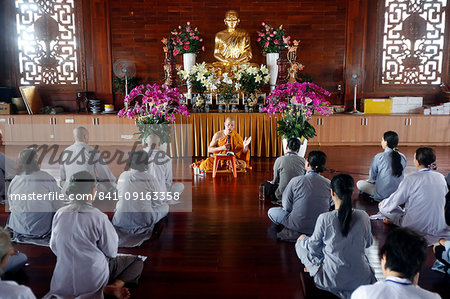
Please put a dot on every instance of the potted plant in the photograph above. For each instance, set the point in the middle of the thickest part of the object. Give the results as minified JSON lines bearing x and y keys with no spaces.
{"x":250,"y":79}
{"x":270,"y":39}
{"x":227,"y":90}
{"x":296,"y":102}
{"x":154,"y":108}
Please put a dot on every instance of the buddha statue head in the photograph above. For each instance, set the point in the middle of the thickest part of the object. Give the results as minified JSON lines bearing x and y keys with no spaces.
{"x":231,"y":20}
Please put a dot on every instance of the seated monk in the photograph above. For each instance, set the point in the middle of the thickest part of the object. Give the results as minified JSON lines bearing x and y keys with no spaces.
{"x":232,"y":46}
{"x":221,"y":144}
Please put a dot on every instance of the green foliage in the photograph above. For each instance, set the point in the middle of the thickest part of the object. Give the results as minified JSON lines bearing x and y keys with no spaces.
{"x":119,"y":84}
{"x":295,"y":125}
{"x":227,"y":91}
{"x":146,"y":128}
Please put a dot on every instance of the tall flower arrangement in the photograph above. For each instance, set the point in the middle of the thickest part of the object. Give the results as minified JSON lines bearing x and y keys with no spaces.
{"x":227,"y":88}
{"x":270,"y":38}
{"x":251,"y":78}
{"x":201,"y":78}
{"x":296,"y":102}
{"x":187,"y":39}
{"x":153,"y":108}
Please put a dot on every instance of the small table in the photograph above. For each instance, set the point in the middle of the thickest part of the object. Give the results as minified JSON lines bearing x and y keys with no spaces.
{"x":226,"y":158}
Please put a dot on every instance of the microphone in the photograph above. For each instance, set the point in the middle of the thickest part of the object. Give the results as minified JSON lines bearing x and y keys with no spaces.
{"x":228,"y":138}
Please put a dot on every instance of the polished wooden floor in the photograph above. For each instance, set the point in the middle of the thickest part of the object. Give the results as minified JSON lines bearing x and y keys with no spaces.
{"x":226,"y":247}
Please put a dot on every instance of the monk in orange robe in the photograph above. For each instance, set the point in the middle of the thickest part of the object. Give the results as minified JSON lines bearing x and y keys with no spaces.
{"x":225,"y":141}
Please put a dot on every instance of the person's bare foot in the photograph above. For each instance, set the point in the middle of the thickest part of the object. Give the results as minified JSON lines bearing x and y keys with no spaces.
{"x":387,"y":221}
{"x":117,"y":291}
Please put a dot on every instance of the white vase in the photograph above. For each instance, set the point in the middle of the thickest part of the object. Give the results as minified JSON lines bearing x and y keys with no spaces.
{"x":271,"y":61}
{"x":301,"y":151}
{"x":188,"y":63}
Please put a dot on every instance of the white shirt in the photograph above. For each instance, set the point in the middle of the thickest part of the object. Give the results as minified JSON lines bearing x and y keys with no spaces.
{"x":423,"y":194}
{"x":82,"y":157}
{"x":33,"y":217}
{"x":160,"y":167}
{"x":393,"y":288}
{"x":82,"y":238}
{"x":12,"y":290}
{"x":139,"y":202}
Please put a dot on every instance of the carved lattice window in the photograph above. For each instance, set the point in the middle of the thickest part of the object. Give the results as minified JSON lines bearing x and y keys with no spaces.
{"x":48,"y":45}
{"x":413,"y":41}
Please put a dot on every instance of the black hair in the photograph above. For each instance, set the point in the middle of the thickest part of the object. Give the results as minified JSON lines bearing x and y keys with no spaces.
{"x":138,"y":160}
{"x":342,"y":184}
{"x":405,"y":251}
{"x":425,"y":156}
{"x":396,"y":160}
{"x":81,"y":183}
{"x":293,"y":144}
{"x":317,"y":160}
{"x":27,"y":162}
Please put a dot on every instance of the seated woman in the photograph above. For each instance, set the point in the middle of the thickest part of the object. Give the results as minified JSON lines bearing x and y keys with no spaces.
{"x":32,"y":209}
{"x":305,"y":198}
{"x":423,"y":196}
{"x":10,"y":289}
{"x":85,"y":244}
{"x":138,"y":216}
{"x":402,"y":257}
{"x":386,"y":170}
{"x":335,"y":253}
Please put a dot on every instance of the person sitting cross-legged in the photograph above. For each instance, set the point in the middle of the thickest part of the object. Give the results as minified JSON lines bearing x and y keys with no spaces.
{"x":10,"y":289}
{"x":402,"y":257}
{"x":285,"y":168}
{"x":305,"y":197}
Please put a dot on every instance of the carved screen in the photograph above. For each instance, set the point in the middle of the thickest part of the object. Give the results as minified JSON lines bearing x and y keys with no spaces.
{"x":48,"y":47}
{"x":413,"y":41}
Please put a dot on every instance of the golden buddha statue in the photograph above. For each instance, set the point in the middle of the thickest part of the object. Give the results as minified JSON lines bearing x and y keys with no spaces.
{"x":232,"y":46}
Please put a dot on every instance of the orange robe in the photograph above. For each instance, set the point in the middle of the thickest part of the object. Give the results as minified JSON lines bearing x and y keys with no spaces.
{"x":236,"y":146}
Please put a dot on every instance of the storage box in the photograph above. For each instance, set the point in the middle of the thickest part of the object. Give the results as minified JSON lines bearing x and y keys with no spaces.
{"x":5,"y":108}
{"x":406,"y":104}
{"x":377,"y":106}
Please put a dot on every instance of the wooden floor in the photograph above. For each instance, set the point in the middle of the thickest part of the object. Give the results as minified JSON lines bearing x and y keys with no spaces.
{"x":226,"y":246}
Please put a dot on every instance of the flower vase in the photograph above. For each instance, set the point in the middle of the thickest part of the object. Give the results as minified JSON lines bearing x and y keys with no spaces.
{"x":303,"y":145}
{"x":227,"y":107}
{"x":271,"y":61}
{"x":188,"y":62}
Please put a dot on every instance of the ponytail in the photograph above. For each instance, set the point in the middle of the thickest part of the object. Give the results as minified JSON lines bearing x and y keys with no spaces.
{"x":396,"y":160}
{"x":342,"y":185}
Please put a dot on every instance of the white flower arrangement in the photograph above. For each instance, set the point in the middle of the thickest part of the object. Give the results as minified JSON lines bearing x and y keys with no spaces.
{"x":201,"y":78}
{"x":251,"y":78}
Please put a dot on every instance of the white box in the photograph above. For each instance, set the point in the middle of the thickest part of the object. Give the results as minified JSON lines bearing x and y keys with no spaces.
{"x":447,"y":104}
{"x":396,"y":109}
{"x":426,"y":111}
{"x":399,"y":100}
{"x":447,"y":110}
{"x":416,"y":101}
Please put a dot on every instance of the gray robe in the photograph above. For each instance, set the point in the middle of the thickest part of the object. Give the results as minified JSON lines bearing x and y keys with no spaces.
{"x":305,"y":198}
{"x":381,"y":174}
{"x":337,"y":263}
{"x":286,"y":168}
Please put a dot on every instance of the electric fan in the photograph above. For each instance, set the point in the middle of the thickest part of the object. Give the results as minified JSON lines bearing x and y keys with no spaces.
{"x":356,"y":78}
{"x":124,"y":68}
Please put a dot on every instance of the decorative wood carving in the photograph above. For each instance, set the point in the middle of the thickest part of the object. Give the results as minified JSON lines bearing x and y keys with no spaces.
{"x":413,"y":40}
{"x":49,"y":49}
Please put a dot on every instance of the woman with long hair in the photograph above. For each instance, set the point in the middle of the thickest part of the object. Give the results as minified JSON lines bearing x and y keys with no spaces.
{"x":335,"y":253}
{"x":386,"y":170}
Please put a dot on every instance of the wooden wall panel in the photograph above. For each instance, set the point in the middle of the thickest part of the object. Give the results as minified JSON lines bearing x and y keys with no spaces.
{"x":137,"y":27}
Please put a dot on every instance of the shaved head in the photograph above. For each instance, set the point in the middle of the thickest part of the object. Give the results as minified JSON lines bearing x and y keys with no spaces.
{"x":80,"y":133}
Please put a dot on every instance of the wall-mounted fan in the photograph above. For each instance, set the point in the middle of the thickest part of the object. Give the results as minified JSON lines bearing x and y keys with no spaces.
{"x":124,"y":68}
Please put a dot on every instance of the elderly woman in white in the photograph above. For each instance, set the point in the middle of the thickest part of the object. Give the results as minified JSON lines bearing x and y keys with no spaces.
{"x":30,"y":216}
{"x":140,"y":204}
{"x":10,"y":289}
{"x":85,"y":243}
